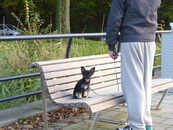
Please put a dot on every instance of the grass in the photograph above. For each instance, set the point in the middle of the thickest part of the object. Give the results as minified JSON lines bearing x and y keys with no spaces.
{"x":15,"y":57}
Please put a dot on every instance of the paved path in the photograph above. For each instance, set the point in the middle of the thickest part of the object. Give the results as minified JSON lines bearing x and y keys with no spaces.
{"x":162,"y":119}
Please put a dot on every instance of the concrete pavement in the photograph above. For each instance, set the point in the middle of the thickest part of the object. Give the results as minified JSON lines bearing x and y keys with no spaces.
{"x":162,"y":119}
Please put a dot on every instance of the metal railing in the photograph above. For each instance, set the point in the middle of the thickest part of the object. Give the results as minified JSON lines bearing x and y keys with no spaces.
{"x":50,"y":36}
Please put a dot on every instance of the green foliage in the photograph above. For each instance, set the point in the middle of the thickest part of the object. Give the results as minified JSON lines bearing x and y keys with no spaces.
{"x":161,"y":26}
{"x":87,"y":47}
{"x":16,"y":56}
{"x":15,"y":87}
{"x":165,"y":12}
{"x":33,"y":22}
{"x":12,"y":6}
{"x":86,"y":15}
{"x":14,"y":60}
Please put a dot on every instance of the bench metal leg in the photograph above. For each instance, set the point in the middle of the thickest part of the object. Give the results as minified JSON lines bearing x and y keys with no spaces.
{"x":95,"y":120}
{"x":164,"y":94}
{"x":44,"y":107}
{"x":45,"y":113}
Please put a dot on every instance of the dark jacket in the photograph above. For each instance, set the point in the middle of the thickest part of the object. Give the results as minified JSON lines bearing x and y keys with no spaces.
{"x":136,"y":20}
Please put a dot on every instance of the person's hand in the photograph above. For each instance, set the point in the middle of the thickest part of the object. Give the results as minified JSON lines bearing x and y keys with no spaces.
{"x":113,"y":54}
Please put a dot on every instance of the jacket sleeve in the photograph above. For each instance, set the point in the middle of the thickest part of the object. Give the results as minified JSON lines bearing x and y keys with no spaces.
{"x":114,"y":23}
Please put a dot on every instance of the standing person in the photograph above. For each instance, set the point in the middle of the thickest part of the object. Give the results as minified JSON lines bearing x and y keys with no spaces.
{"x":136,"y":20}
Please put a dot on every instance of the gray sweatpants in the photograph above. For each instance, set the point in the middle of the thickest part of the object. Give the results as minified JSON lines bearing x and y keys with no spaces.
{"x":136,"y":72}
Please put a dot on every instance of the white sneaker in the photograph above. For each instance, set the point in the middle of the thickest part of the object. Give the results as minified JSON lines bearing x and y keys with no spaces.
{"x":125,"y":128}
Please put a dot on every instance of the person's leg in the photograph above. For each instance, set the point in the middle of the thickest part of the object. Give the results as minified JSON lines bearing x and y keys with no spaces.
{"x":149,"y":52}
{"x":132,"y":76}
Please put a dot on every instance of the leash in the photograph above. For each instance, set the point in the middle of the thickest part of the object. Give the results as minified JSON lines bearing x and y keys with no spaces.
{"x":100,"y":94}
{"x":116,"y":76}
{"x":116,"y":82}
{"x":97,"y":93}
{"x":116,"y":53}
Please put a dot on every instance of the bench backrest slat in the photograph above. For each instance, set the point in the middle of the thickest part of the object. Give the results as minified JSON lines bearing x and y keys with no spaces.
{"x":63,"y":61}
{"x":70,"y":79}
{"x":72,"y":65}
{"x":61,"y":76}
{"x":62,"y":73}
{"x":57,"y":88}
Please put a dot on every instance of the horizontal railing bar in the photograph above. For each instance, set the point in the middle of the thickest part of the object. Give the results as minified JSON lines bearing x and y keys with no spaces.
{"x":156,"y":55}
{"x":19,"y":76}
{"x":36,"y":74}
{"x":37,"y":92}
{"x":56,"y":36}
{"x":50,"y":36}
{"x":164,"y":31}
{"x":20,"y":96}
{"x":157,"y":66}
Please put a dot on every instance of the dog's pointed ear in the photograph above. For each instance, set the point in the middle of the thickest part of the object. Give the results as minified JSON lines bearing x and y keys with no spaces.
{"x":92,"y":71}
{"x":82,"y":69}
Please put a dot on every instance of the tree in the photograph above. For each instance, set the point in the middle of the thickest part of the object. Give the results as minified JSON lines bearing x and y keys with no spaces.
{"x":74,"y":15}
{"x":89,"y":15}
{"x":9,"y":6}
{"x":58,"y":15}
{"x":63,"y":16}
{"x":165,"y":13}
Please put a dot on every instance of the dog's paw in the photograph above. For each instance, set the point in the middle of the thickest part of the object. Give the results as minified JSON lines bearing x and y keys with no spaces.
{"x":79,"y":97}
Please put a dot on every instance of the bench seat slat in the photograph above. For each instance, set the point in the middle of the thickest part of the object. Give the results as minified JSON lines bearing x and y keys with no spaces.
{"x":107,"y":104}
{"x":159,"y":81}
{"x":155,"y":89}
{"x":99,"y":105}
{"x":95,"y":99}
{"x":162,"y":87}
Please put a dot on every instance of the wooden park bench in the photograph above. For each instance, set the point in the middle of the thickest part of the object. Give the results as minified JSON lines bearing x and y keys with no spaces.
{"x":58,"y":79}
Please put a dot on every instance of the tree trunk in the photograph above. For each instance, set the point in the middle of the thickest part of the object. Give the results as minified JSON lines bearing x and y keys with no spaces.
{"x":58,"y":15}
{"x":66,"y":16}
{"x":63,"y":16}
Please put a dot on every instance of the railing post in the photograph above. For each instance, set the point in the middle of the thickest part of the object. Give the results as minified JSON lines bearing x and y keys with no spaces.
{"x":153,"y":73}
{"x":68,"y":47}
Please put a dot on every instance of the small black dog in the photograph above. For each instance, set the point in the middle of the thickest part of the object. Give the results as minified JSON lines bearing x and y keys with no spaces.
{"x":83,"y":85}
